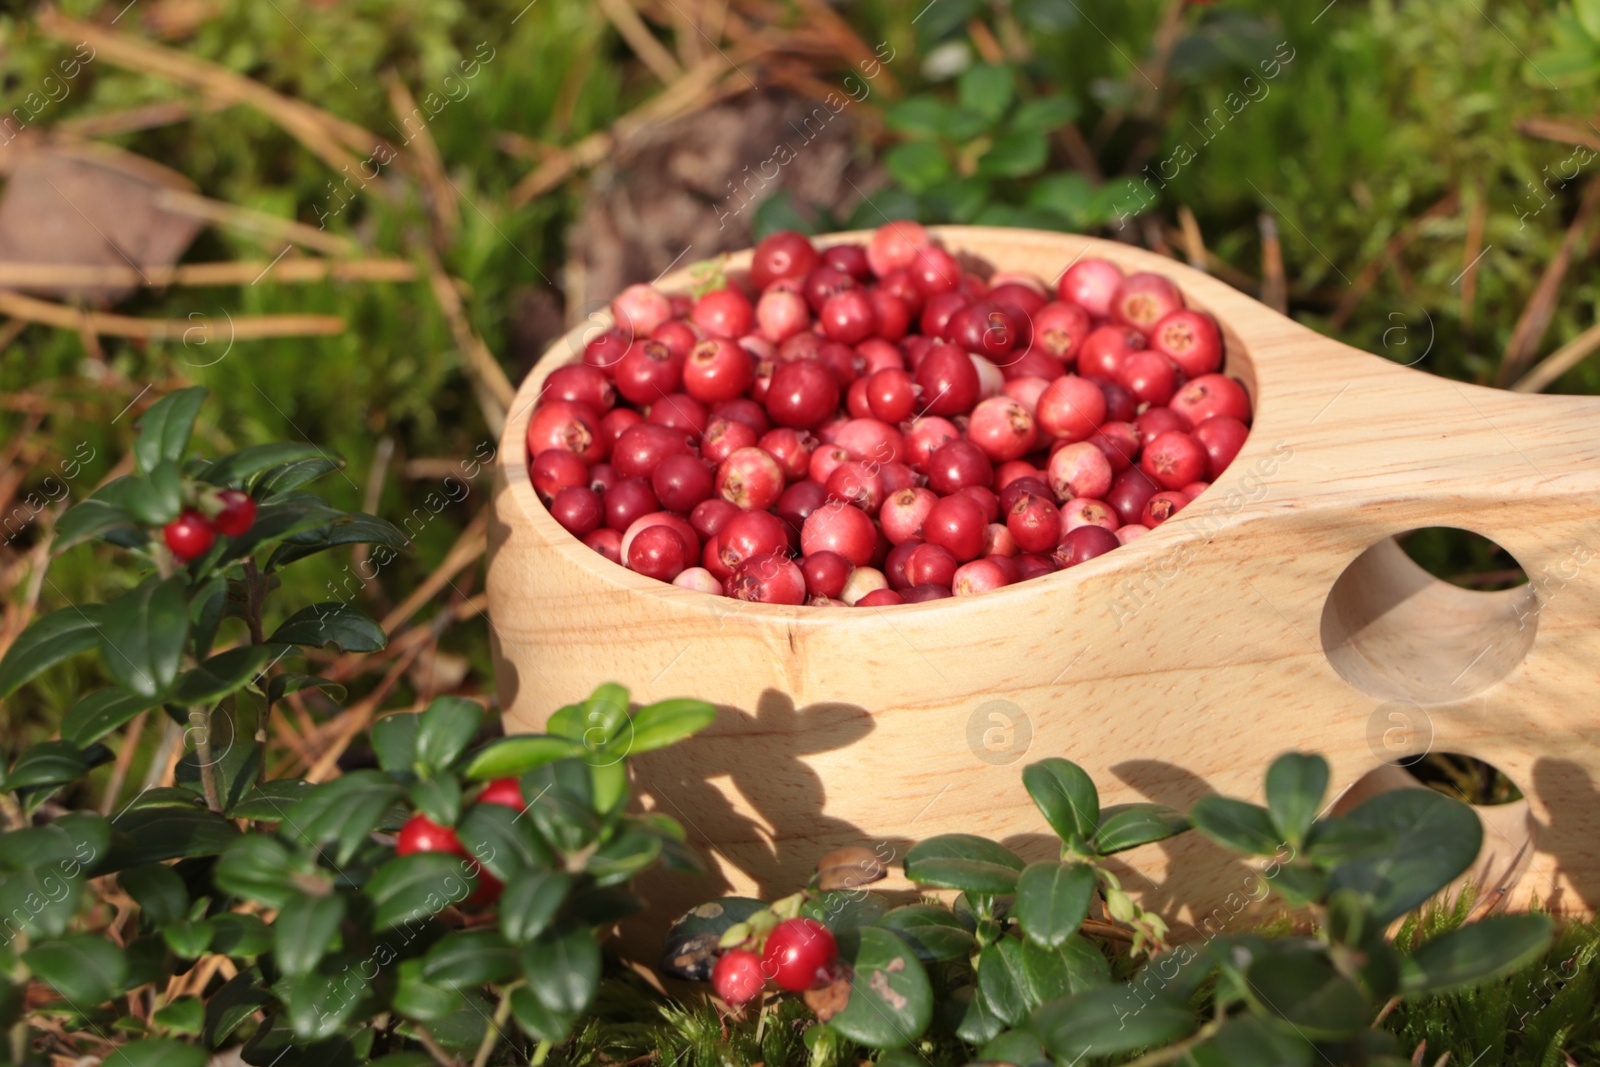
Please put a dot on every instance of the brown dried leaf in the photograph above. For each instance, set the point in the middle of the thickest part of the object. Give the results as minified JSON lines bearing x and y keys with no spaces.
{"x":847,"y":868}
{"x":832,"y":998}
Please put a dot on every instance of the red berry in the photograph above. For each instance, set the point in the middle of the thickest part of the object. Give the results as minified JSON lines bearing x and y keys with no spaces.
{"x":723,"y":313}
{"x":238,"y":512}
{"x":933,"y":270}
{"x":1080,"y":469}
{"x":803,"y":394}
{"x":1033,"y":485}
{"x":1149,"y":376}
{"x":1083,"y":544}
{"x":799,"y":955}
{"x":737,"y":977}
{"x":745,"y":410}
{"x":1120,"y":405}
{"x":1153,"y":422}
{"x":613,"y":422}
{"x":931,"y":565}
{"x":1105,"y":348}
{"x":824,"y":282}
{"x":1034,"y":522}
{"x":553,"y":470}
{"x":658,"y":552}
{"x":989,"y":329}
{"x":1161,"y":507}
{"x":1173,"y":460}
{"x":987,"y":499}
{"x":956,"y":465}
{"x":1082,"y":511}
{"x":785,"y":254}
{"x":717,"y":369}
{"x":857,"y":483}
{"x":579,"y":509}
{"x":1002,"y":428}
{"x":640,"y":449}
{"x":849,"y":258}
{"x":422,"y":834}
{"x":628,"y":501}
{"x":956,"y":523}
{"x":503,"y":791}
{"x":724,"y":437}
{"x":604,"y":351}
{"x":1130,"y":491}
{"x":848,"y":317}
{"x":890,"y":313}
{"x":679,"y":337}
{"x":750,"y":478}
{"x":880,"y":598}
{"x":791,"y":448}
{"x":1191,"y":340}
{"x":189,"y":535}
{"x":581,"y":384}
{"x":772,"y":578}
{"x":648,"y":370}
{"x":1071,"y":409}
{"x":892,"y":394}
{"x":918,"y":594}
{"x":1211,"y":395}
{"x":939,"y":315}
{"x":799,"y":501}
{"x":839,"y":527}
{"x":894,"y":246}
{"x":1221,"y":436}
{"x":947,"y":381}
{"x":710,"y":516}
{"x":565,"y":425}
{"x":904,"y":512}
{"x":1091,"y":283}
{"x":1120,"y":443}
{"x":681,"y":481}
{"x":979,"y":576}
{"x":749,"y":534}
{"x":1059,"y":329}
{"x":825,"y":573}
{"x":871,"y":441}
{"x":1144,"y":299}
{"x":679,"y":411}
{"x":607,"y":542}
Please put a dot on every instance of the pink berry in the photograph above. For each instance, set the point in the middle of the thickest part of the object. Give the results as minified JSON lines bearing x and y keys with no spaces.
{"x":1131,"y":532}
{"x":1002,"y":428}
{"x":724,"y":437}
{"x":825,"y":459}
{"x":1071,"y":409}
{"x":894,"y":246}
{"x":1209,"y":396}
{"x":1173,"y":460}
{"x":903,"y":514}
{"x":1080,"y":469}
{"x":998,"y":542}
{"x":639,"y":309}
{"x":1143,"y":299}
{"x":1083,"y":511}
{"x":842,"y":528}
{"x":1191,"y":340}
{"x":1059,"y":328}
{"x":569,"y":426}
{"x":698,"y":579}
{"x":791,"y":448}
{"x":1091,"y":283}
{"x":750,"y":478}
{"x":1035,"y":523}
{"x":772,"y":578}
{"x":870,"y":440}
{"x":978,"y":576}
{"x":863,"y":582}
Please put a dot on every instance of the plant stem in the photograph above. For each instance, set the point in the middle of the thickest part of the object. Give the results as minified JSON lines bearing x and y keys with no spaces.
{"x":208,"y":770}
{"x":254,"y":593}
{"x":492,"y":1036}
{"x":540,"y":1054}
{"x":440,"y":1056}
{"x":1175,"y":1052}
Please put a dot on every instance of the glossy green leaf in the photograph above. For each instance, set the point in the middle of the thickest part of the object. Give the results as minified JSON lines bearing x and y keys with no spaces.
{"x":1066,"y":796}
{"x":1301,"y":987}
{"x":221,"y":675}
{"x":188,"y":938}
{"x":1237,"y":825}
{"x":230,"y":1006}
{"x":142,"y":635}
{"x":158,"y":1052}
{"x":987,"y":90}
{"x":1015,"y":1047}
{"x":606,"y":722}
{"x":240,"y":935}
{"x":437,"y":798}
{"x":321,"y":1003}
{"x":101,"y":712}
{"x":1333,"y":840}
{"x":85,"y":968}
{"x":49,"y":763}
{"x":240,"y":469}
{"x":624,"y":855}
{"x":1296,"y":784}
{"x":355,"y":528}
{"x":409,"y":889}
{"x":305,"y":930}
{"x":40,"y":901}
{"x":48,"y":641}
{"x":917,"y":116}
{"x":293,"y":474}
{"x":185,"y":1015}
{"x":530,"y":901}
{"x":417,"y":998}
{"x":1125,"y":826}
{"x":1045,"y":114}
{"x":271,"y":801}
{"x":917,"y":165}
{"x":500,"y":839}
{"x":932,"y":932}
{"x":278,"y":518}
{"x":1053,"y":900}
{"x":845,"y":909}
{"x":516,"y":755}
{"x":159,"y":892}
{"x":1015,"y":155}
{"x":1001,"y":980}
{"x":1110,"y":1021}
{"x":167,"y":832}
{"x":1073,"y":966}
{"x":157,"y":498}
{"x":343,"y":811}
{"x":445,"y":730}
{"x":470,"y":958}
{"x":537,"y":1019}
{"x":666,"y":722}
{"x":86,"y":519}
{"x":333,"y":623}
{"x":963,"y":861}
{"x":563,"y":970}
{"x":891,"y":1001}
{"x":1435,"y":839}
{"x":165,"y":426}
{"x":1485,"y":950}
{"x":970,"y":1016}
{"x":288,"y":682}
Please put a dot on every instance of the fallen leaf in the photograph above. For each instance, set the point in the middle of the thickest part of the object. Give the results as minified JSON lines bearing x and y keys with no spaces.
{"x":847,"y":868}
{"x":832,"y":998}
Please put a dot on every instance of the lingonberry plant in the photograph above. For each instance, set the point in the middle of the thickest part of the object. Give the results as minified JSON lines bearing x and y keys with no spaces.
{"x":1015,"y":970}
{"x":402,"y":913}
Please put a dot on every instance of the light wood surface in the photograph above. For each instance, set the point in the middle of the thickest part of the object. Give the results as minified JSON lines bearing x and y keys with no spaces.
{"x":1274,"y":613}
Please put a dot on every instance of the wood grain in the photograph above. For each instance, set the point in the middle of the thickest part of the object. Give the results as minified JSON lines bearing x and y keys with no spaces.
{"x":1173,"y":667}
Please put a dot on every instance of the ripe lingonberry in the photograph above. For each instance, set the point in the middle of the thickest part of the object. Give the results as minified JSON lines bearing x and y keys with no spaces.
{"x":1091,"y":283}
{"x":840,"y":527}
{"x":737,"y":977}
{"x":803,"y":394}
{"x":1191,"y":340}
{"x":1173,"y":460}
{"x":1221,"y":436}
{"x":772,"y":578}
{"x":1071,"y":409}
{"x":750,"y":478}
{"x":1034,"y":522}
{"x":785,"y":254}
{"x":1144,"y":299}
{"x":189,"y":535}
{"x":717,"y":369}
{"x":1002,"y":428}
{"x":238,"y":512}
{"x":506,"y":792}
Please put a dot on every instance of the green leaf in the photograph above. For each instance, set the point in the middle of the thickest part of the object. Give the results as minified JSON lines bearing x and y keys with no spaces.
{"x":500,"y":840}
{"x":445,"y":730}
{"x":288,"y":682}
{"x":165,"y":427}
{"x":666,"y":722}
{"x":1237,"y":825}
{"x":963,"y":861}
{"x":516,"y":755}
{"x":1334,"y":840}
{"x":186,"y":1015}
{"x":917,"y":116}
{"x":1001,"y":980}
{"x":623,"y":855}
{"x":189,"y":938}
{"x":777,"y":213}
{"x":100,"y":713}
{"x":1066,"y":796}
{"x":1435,"y":839}
{"x":1125,"y":826}
{"x":331,"y":623}
{"x":437,"y":798}
{"x":142,"y":634}
{"x":48,"y":641}
{"x":1296,"y":784}
{"x":538,"y":1020}
{"x":157,"y":1052}
{"x":845,"y":909}
{"x":470,"y":958}
{"x":157,"y":498}
{"x":319,"y":1004}
{"x":969,"y":1014}
{"x":238,"y":934}
{"x":356,"y":528}
{"x":221,"y":675}
{"x":986,"y":89}
{"x":166,"y":832}
{"x":70,"y":844}
{"x":1485,"y":950}
{"x":931,"y":931}
{"x":271,"y":800}
{"x":563,"y":971}
{"x":281,"y":517}
{"x":240,"y":469}
{"x":344,"y":810}
{"x":530,"y":901}
{"x":292,"y":475}
{"x":1109,"y":1021}
{"x":917,"y":165}
{"x":41,"y":901}
{"x":394,"y":742}
{"x":1588,"y":12}
{"x":1015,"y":1047}
{"x":1053,"y":900}
{"x":49,"y":763}
{"x":1302,"y":987}
{"x":610,"y":781}
{"x":1045,"y":114}
{"x":1014,"y":155}
{"x":230,"y":1006}
{"x":89,"y":518}
{"x":891,"y":1002}
{"x":87,"y":969}
{"x":305,"y":930}
{"x":417,"y":998}
{"x":408,"y":889}
{"x":1254,"y":1041}
{"x":1073,"y":967}
{"x":159,"y":892}
{"x":605,"y":717}
{"x":561,"y":805}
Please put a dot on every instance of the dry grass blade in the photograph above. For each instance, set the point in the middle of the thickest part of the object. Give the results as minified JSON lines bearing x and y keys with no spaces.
{"x":1535,"y":318}
{"x":134,"y":119}
{"x":259,"y":223}
{"x":1575,"y":131}
{"x":1557,"y":363}
{"x":1392,"y":249}
{"x":1274,"y":287}
{"x":245,"y":272}
{"x":1471,"y":256}
{"x":489,"y":382}
{"x":197,"y":331}
{"x":1194,"y":245}
{"x":650,"y":51}
{"x":442,"y":205}
{"x":330,"y":138}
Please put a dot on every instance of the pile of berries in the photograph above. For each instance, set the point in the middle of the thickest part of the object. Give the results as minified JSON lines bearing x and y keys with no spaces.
{"x":422,"y":834}
{"x":875,"y":424}
{"x":229,"y":512}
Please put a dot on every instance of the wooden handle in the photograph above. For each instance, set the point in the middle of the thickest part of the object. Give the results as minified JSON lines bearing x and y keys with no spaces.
{"x":1273,"y":613}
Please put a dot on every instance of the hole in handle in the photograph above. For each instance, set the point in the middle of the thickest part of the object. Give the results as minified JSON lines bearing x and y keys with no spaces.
{"x":1392,"y":629}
